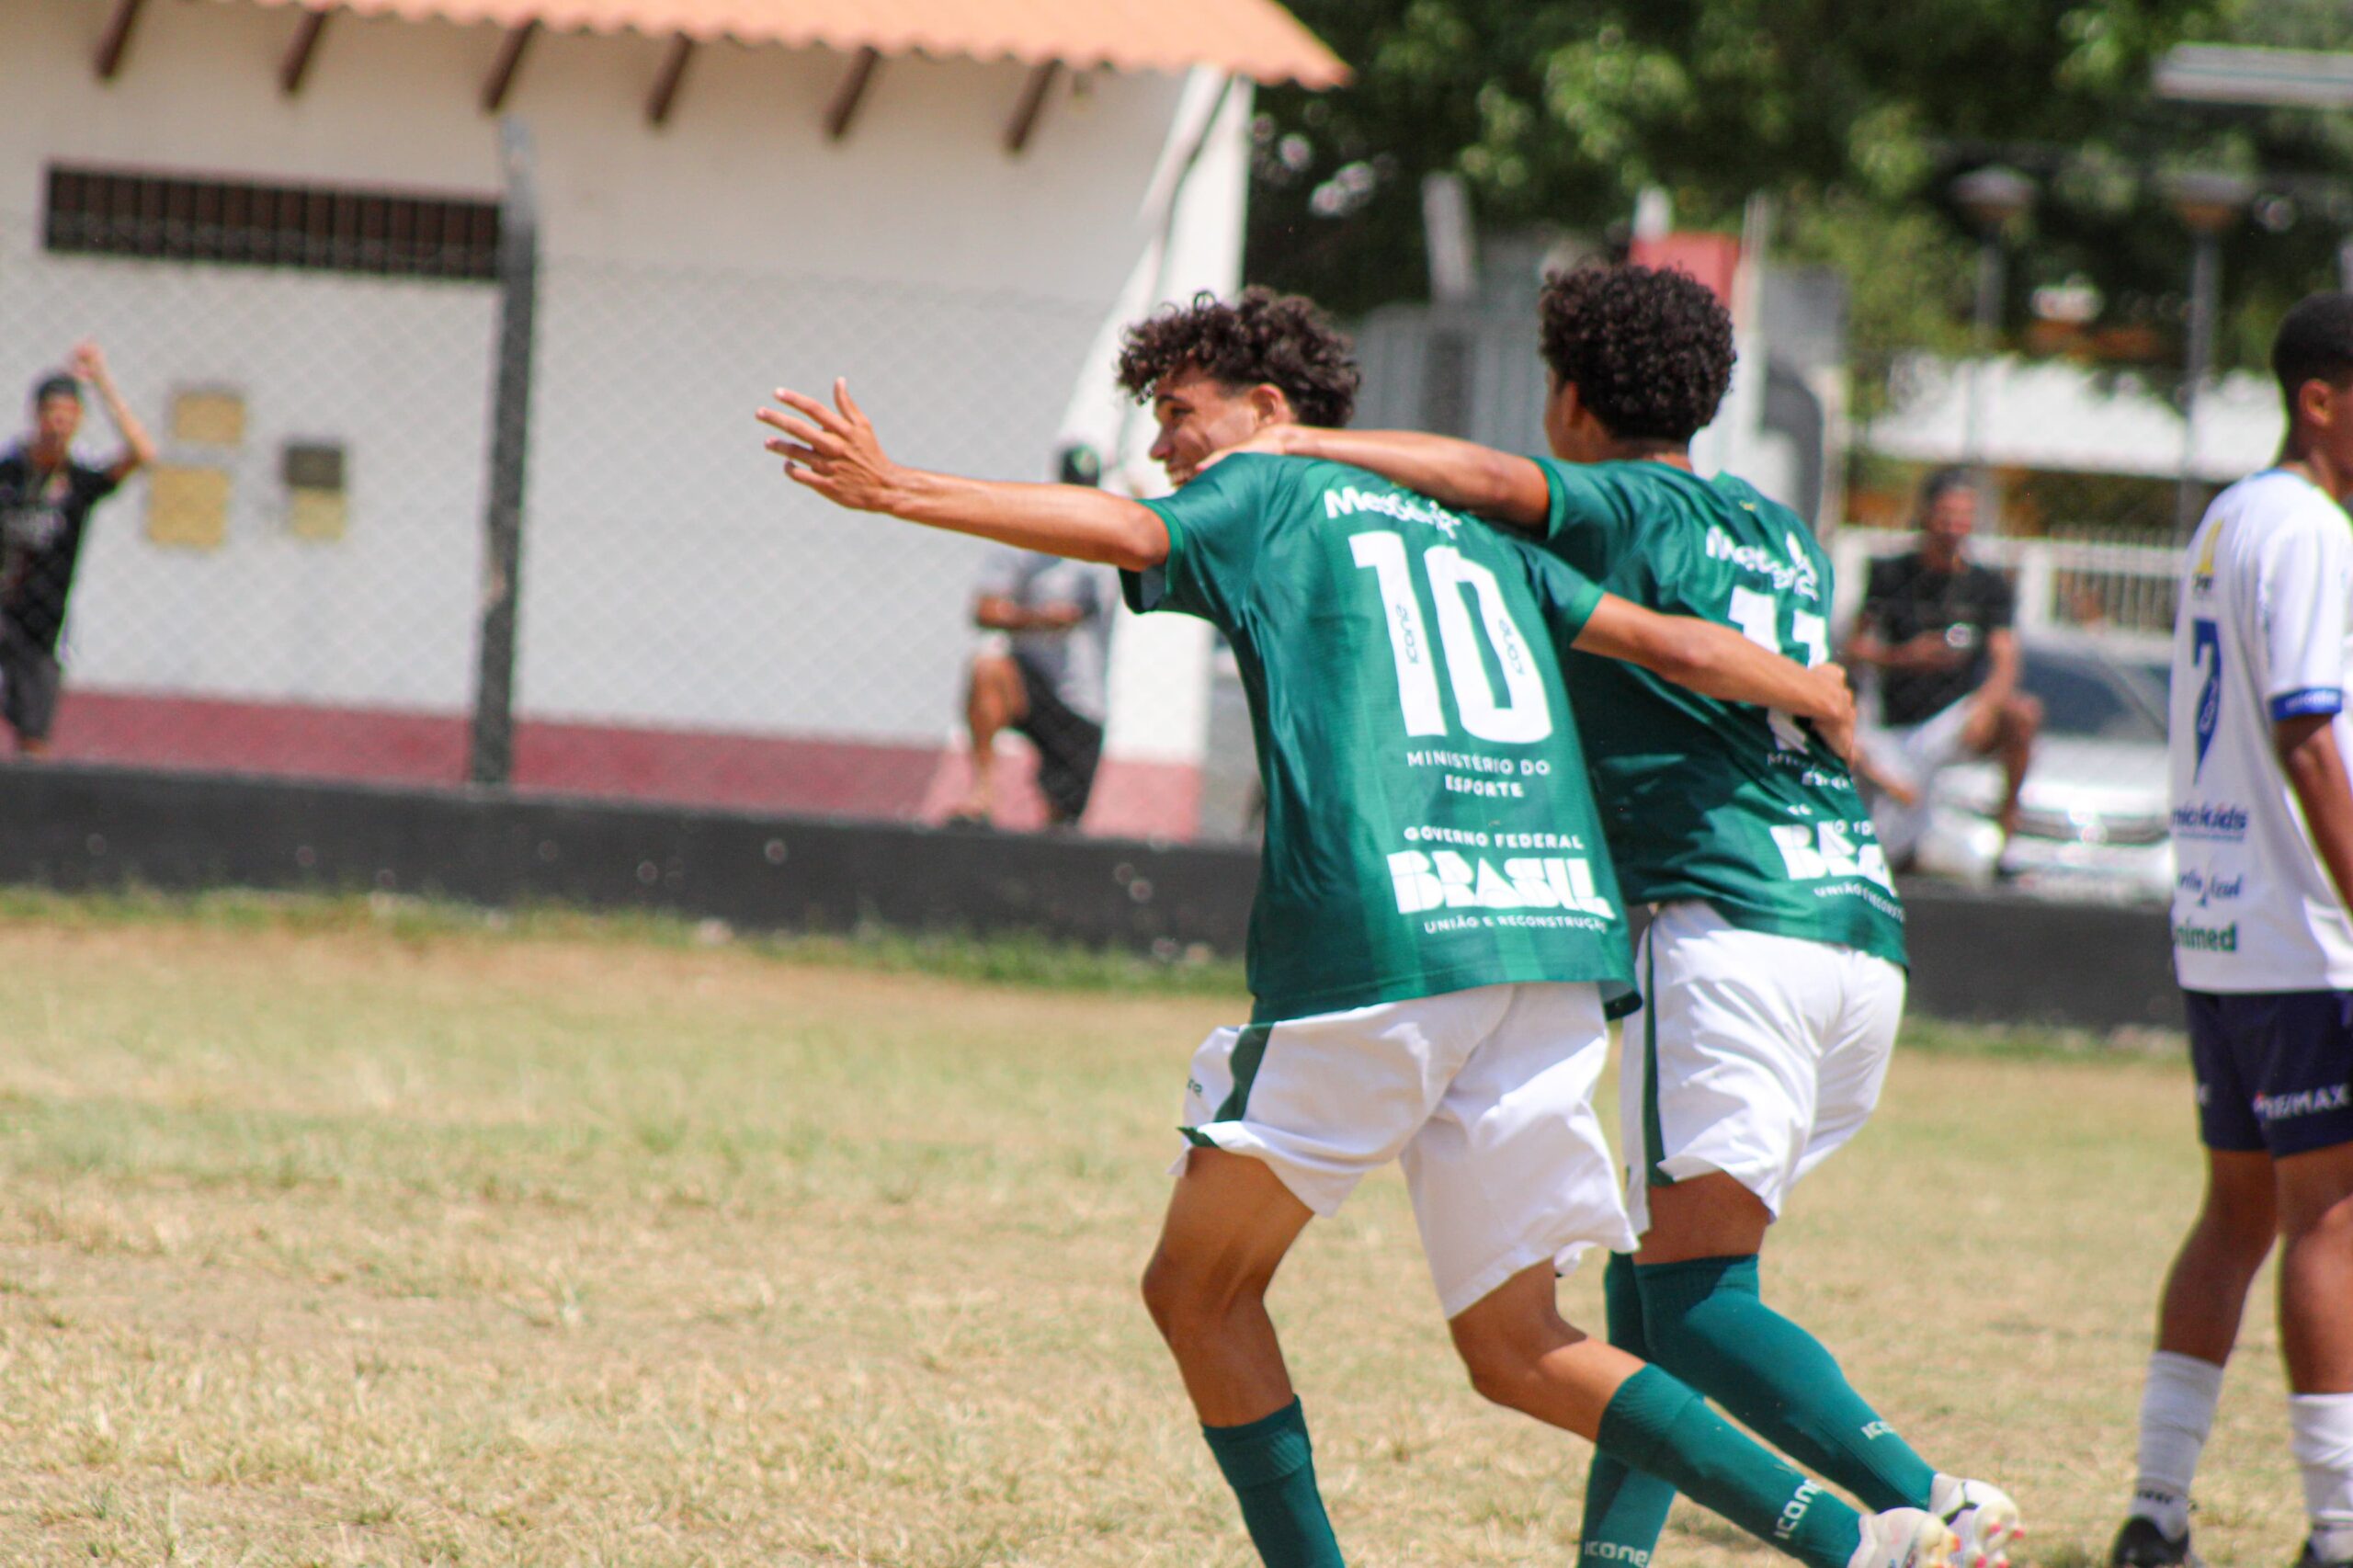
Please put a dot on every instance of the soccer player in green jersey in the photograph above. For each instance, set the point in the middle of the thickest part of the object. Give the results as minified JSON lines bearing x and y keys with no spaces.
{"x":1772,"y":969}
{"x":1436,"y":922}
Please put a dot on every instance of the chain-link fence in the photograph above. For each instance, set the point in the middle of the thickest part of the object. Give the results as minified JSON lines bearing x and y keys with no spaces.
{"x":296,"y":585}
{"x":299,"y":583}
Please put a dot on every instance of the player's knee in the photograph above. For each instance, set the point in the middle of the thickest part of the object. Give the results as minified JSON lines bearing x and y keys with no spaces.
{"x":2026,"y":716}
{"x":1188,"y":1302}
{"x":1164,"y":1293}
{"x":2239,"y":1209}
{"x":993,"y":682}
{"x":1503,"y":1356}
{"x":2239,"y":1219}
{"x":2319,"y":1210}
{"x":1500,"y":1372}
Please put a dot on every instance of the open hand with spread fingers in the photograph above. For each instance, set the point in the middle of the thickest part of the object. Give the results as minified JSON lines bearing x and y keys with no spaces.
{"x":833,"y":451}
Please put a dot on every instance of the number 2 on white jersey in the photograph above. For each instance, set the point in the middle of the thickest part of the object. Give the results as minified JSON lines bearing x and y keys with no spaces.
{"x":1524,"y":713}
{"x":1759,"y":619}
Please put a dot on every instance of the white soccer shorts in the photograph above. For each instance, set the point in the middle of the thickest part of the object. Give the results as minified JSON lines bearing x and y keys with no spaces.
{"x":1753,"y":1055}
{"x":1484,"y":1096}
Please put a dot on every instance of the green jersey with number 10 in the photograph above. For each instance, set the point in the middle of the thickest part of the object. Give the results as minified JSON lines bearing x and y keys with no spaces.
{"x":1706,"y":800}
{"x":1429,"y":823}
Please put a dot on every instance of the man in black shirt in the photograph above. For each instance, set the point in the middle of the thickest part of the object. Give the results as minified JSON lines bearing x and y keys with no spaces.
{"x":45,"y":495}
{"x":1936,"y":628}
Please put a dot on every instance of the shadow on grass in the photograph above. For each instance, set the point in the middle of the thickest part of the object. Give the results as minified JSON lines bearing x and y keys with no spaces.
{"x":1017,"y":961}
{"x":1005,"y":960}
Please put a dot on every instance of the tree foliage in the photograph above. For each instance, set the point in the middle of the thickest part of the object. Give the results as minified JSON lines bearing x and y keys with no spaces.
{"x":1853,"y":116}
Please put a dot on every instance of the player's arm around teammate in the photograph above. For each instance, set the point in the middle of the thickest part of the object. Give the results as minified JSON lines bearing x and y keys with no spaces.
{"x":1513,"y":491}
{"x":836,"y":452}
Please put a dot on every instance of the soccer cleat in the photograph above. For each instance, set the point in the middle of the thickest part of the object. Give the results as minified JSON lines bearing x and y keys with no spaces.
{"x":1982,"y":1515}
{"x":2140,"y":1544}
{"x":2312,"y":1559}
{"x":1904,"y":1538}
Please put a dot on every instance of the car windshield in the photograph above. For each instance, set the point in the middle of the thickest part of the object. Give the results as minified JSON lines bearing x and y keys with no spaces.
{"x":2087,"y":696}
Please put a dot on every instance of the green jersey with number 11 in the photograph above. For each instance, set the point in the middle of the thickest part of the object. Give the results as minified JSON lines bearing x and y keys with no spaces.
{"x":1706,"y":800}
{"x":1429,"y":823}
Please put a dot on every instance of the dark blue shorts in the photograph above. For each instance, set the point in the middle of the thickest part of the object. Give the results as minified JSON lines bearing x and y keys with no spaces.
{"x":2275,"y":1069}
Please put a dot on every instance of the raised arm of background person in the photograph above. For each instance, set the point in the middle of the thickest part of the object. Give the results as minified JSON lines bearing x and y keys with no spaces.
{"x":89,"y":362}
{"x":835,"y":452}
{"x":1715,"y":661}
{"x":1460,"y":475}
{"x":2315,"y":770}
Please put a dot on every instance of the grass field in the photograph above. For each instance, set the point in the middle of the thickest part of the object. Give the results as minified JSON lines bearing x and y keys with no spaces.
{"x":344,"y":1237}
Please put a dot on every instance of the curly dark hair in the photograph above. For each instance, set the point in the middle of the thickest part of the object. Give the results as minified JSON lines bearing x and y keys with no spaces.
{"x":1281,"y":340}
{"x":1650,"y":350}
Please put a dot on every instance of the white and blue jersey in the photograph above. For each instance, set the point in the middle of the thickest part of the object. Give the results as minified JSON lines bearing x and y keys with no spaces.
{"x":2265,"y":600}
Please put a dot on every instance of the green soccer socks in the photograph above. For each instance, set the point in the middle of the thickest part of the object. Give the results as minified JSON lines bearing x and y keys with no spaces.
{"x":1656,"y":1425}
{"x":1705,"y":1323}
{"x":1271,"y":1466}
{"x":1625,"y":1508}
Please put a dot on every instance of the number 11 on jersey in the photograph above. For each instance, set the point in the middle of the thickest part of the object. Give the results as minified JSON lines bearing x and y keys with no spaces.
{"x":1759,"y":619}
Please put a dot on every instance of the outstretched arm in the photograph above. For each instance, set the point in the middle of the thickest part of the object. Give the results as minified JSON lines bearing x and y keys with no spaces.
{"x":1715,"y":661}
{"x":835,"y":452}
{"x":1461,"y":475}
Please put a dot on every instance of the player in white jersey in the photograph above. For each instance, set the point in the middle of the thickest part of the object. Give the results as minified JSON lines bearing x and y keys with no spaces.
{"x":2263,"y":947}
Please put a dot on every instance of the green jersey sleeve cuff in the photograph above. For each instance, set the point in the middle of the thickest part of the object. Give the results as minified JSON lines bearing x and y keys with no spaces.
{"x":1570,"y":502}
{"x":1147,"y":590}
{"x":1580,"y":596}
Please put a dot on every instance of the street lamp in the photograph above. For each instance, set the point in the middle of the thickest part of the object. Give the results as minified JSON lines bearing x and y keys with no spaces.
{"x":1993,"y":197}
{"x":2207,"y":203}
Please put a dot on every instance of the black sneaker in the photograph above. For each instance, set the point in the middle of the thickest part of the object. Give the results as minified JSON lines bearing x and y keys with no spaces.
{"x":2140,"y":1544}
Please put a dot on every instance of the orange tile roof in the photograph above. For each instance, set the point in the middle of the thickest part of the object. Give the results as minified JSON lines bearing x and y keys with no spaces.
{"x":1256,"y":39}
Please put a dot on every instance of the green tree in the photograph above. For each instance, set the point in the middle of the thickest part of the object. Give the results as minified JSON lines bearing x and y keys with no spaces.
{"x":1853,"y":116}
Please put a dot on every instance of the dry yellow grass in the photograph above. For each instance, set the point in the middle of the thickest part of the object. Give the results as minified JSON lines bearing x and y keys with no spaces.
{"x":346,"y":1246}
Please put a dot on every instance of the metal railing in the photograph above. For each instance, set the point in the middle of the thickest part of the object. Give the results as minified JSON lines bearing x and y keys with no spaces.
{"x":2125,"y":590}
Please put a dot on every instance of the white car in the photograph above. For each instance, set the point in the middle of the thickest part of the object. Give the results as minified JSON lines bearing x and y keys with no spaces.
{"x":2092,"y":818}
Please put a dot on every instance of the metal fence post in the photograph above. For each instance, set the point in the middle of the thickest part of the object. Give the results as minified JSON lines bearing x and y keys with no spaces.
{"x":492,"y":755}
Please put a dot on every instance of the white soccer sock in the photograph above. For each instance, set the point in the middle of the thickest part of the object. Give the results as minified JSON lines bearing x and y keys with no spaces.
{"x":2323,"y":1424}
{"x":2177,"y":1412}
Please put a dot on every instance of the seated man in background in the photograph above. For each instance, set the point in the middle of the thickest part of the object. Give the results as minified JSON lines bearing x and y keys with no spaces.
{"x":1937,"y":626}
{"x":1040,"y":669}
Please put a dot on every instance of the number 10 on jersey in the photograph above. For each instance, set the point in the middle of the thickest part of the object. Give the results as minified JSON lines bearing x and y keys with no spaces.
{"x":1522,"y":714}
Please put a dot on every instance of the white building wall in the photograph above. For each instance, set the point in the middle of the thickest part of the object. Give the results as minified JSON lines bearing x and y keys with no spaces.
{"x":671,"y":574}
{"x":398,"y":369}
